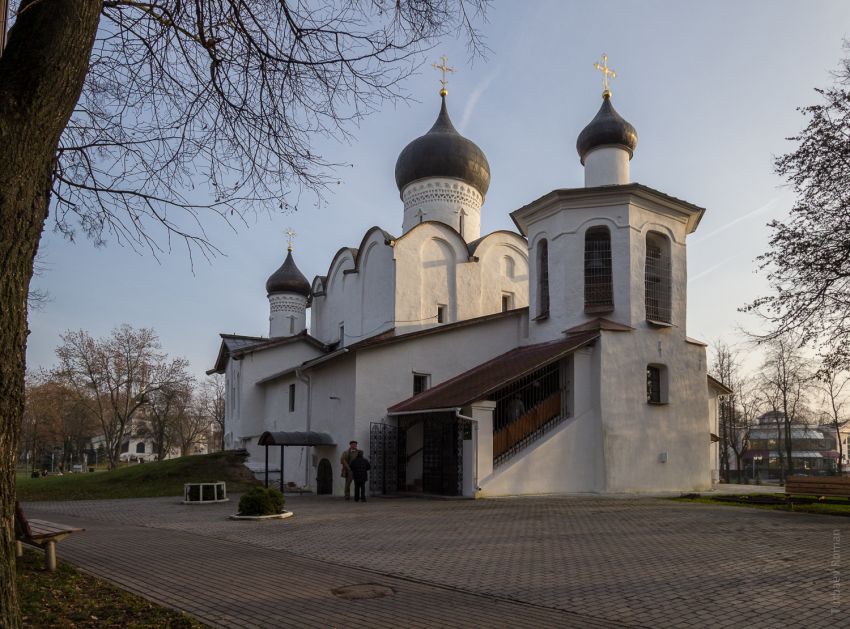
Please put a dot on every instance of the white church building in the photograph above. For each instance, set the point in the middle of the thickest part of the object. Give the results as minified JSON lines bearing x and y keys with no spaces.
{"x":552,"y":359}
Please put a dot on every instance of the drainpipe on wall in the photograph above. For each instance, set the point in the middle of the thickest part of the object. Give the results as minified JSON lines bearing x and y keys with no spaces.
{"x":475,"y":449}
{"x":299,"y":373}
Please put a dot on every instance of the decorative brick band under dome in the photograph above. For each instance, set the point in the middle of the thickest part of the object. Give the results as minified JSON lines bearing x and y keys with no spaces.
{"x":449,"y":201}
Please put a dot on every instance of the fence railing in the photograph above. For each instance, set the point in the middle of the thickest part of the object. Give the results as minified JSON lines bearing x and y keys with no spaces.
{"x":520,"y":430}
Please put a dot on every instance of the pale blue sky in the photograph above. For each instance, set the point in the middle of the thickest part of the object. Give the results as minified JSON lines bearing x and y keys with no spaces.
{"x":711,"y":87}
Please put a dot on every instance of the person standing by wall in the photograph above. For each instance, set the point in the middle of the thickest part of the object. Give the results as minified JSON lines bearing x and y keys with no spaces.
{"x":360,"y":471}
{"x":347,"y":457}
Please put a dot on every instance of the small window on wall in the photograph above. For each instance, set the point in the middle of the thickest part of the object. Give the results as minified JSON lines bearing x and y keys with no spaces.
{"x":656,"y":384}
{"x":421,"y":382}
{"x":441,"y":313}
{"x":507,"y":302}
{"x":542,"y":279}
{"x":291,"y":398}
{"x":342,"y":334}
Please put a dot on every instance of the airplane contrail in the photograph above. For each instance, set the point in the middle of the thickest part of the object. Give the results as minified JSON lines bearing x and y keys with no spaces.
{"x":723,"y":228}
{"x":711,"y":269}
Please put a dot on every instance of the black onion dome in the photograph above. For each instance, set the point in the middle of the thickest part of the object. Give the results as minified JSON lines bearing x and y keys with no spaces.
{"x":608,"y":128}
{"x":443,"y":152}
{"x":288,"y":279}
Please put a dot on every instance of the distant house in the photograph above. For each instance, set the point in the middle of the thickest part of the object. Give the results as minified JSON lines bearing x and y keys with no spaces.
{"x":137,"y":445}
{"x":814,"y":448}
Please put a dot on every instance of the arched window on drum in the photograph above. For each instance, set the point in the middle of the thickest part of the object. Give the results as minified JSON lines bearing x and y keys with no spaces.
{"x":657,"y":280}
{"x":598,"y":280}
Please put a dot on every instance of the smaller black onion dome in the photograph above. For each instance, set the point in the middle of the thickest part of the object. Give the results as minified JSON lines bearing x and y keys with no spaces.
{"x":608,"y":128}
{"x":443,"y":152}
{"x":288,"y":279}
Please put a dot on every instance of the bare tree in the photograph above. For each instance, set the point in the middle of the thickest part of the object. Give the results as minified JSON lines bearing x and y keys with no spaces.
{"x":114,"y":377}
{"x":192,"y":424}
{"x":140,"y":120}
{"x":748,"y":403}
{"x":213,"y":402}
{"x":833,"y":385}
{"x":738,"y":410}
{"x":807,"y":264}
{"x":723,"y":367}
{"x":786,"y":379}
{"x":160,"y":416}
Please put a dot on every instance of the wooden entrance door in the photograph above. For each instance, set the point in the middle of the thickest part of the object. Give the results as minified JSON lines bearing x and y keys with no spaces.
{"x":324,"y":478}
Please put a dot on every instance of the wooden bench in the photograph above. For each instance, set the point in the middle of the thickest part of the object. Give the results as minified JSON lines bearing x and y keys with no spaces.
{"x":39,"y":533}
{"x":818,"y":485}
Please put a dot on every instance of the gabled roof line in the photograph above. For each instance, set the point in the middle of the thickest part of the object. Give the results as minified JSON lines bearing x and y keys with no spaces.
{"x":467,"y":387}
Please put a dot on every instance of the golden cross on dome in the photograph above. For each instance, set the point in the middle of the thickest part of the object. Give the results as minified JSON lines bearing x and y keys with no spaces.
{"x":289,"y":234}
{"x":443,"y":68}
{"x":606,"y":72}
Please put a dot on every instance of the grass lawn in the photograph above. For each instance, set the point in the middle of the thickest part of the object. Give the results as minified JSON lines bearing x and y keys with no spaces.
{"x":777,"y":502}
{"x":68,"y":598}
{"x":163,"y":478}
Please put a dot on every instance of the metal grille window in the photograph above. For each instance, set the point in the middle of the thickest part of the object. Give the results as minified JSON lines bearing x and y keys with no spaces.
{"x":598,"y":283}
{"x":657,"y":278}
{"x":542,"y":279}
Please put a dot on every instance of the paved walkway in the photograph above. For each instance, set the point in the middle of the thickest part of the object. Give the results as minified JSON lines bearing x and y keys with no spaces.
{"x":549,"y":562}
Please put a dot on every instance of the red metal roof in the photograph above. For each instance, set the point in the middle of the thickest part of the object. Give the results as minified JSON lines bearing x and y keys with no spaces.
{"x":479,"y":382}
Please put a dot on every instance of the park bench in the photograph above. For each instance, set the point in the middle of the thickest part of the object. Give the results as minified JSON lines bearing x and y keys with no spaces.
{"x":40,"y":533}
{"x":818,"y":485}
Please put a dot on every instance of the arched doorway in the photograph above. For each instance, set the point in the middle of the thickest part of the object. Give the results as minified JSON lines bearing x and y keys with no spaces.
{"x":324,"y":478}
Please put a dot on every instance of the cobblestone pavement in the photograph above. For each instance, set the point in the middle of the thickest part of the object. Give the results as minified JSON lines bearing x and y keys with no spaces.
{"x":616,"y":560}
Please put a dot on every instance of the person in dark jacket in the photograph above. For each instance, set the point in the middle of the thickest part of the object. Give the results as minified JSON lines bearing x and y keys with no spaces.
{"x":360,"y":471}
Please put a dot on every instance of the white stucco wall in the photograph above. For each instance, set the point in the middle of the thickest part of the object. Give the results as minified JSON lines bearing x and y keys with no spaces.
{"x":385,"y":373}
{"x":637,"y":436}
{"x":629,"y":219}
{"x":434,"y":266}
{"x":606,"y":166}
{"x":569,"y":459}
{"x":248,"y":412}
{"x":341,"y":299}
{"x":400,"y":283}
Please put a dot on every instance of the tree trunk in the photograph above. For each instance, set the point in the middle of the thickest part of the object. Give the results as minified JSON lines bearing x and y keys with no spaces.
{"x":41,"y":76}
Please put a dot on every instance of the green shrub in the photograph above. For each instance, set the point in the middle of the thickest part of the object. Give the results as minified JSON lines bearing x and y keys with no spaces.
{"x":261,"y":501}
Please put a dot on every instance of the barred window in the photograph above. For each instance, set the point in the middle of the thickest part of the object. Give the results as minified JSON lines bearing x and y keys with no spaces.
{"x":598,"y":282}
{"x":657,"y":278}
{"x":542,"y":279}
